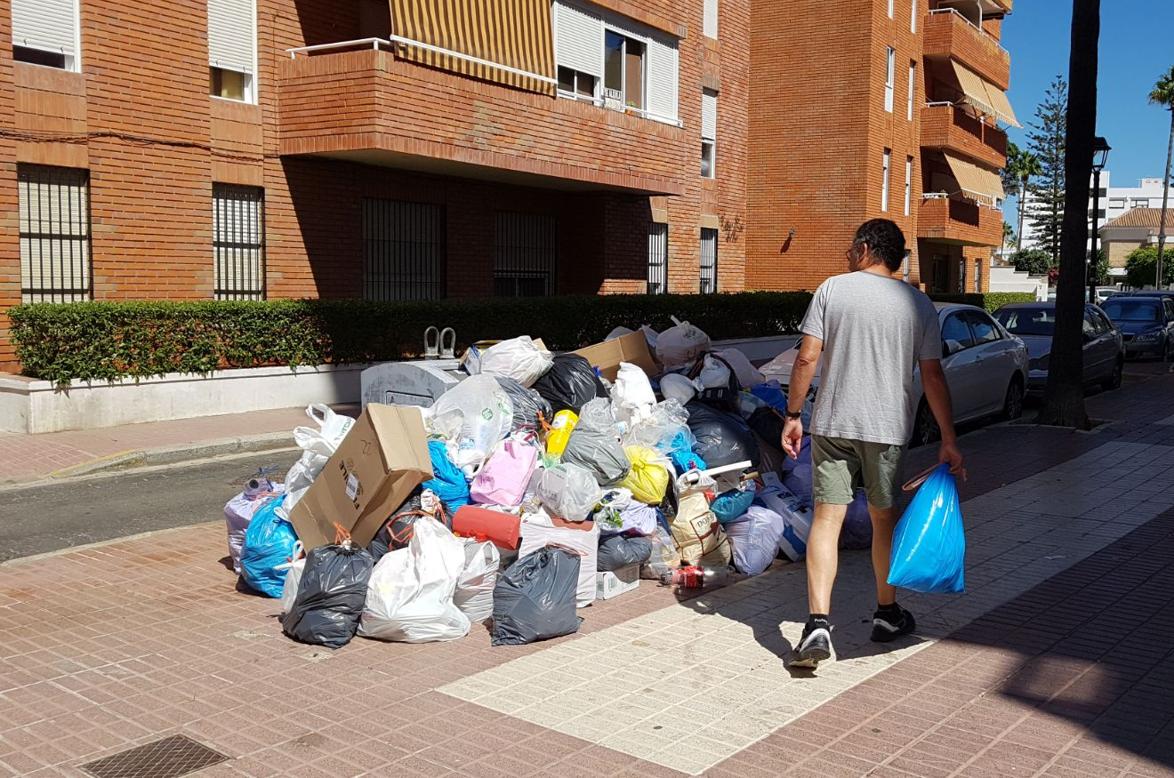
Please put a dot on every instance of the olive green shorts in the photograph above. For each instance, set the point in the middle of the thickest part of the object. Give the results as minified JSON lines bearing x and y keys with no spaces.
{"x":840,"y":467}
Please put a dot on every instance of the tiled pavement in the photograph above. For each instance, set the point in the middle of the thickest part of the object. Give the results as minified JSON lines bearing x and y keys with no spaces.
{"x":113,"y":646}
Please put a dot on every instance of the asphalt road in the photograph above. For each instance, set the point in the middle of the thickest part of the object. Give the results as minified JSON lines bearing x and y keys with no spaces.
{"x":37,"y":519}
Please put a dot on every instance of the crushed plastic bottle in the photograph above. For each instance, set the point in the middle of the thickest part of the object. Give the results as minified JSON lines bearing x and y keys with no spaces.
{"x":698,"y":577}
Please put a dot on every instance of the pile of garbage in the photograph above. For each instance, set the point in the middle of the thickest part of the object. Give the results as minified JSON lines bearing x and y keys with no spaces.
{"x":534,"y":486}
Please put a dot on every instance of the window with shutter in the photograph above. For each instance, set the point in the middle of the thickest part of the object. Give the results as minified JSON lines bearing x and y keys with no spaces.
{"x":709,"y":22}
{"x":45,"y":32}
{"x":54,"y":227}
{"x":238,"y":242}
{"x":658,"y":258}
{"x":885,"y":181}
{"x":525,"y":254}
{"x":708,"y":133}
{"x":662,"y":80}
{"x":708,"y":260}
{"x":890,"y":64}
{"x":232,"y":48}
{"x":403,"y":250}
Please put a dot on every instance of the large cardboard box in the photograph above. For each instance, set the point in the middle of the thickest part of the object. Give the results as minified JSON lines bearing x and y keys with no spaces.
{"x":608,"y":355}
{"x":381,"y":460}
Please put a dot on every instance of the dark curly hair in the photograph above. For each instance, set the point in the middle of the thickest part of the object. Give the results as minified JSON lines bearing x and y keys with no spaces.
{"x":885,"y":240}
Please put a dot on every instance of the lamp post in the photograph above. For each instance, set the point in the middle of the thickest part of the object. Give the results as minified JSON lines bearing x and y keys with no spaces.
{"x":1100,"y":156}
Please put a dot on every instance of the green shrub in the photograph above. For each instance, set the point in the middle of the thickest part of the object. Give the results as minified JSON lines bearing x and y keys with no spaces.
{"x":101,"y":341}
{"x":991,"y":301}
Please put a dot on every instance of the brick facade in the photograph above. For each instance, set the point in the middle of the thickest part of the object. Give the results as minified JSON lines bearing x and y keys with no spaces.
{"x":138,"y":116}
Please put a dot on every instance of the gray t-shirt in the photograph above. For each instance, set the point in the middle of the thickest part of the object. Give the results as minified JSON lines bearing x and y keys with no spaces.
{"x":874,"y":332}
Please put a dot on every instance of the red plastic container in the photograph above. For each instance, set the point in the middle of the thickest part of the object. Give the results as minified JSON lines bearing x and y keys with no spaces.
{"x":503,"y":529}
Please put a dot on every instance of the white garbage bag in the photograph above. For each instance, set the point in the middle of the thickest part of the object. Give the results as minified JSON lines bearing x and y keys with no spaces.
{"x":681,"y":345}
{"x":584,"y":543}
{"x":317,"y":447}
{"x":410,"y":594}
{"x":517,"y":358}
{"x":675,"y":386}
{"x":238,"y":512}
{"x":754,"y":539}
{"x":748,"y":374}
{"x":289,"y":588}
{"x":568,"y":491}
{"x":474,"y":594}
{"x":632,"y":395}
{"x":472,"y":417}
{"x":714,"y":374}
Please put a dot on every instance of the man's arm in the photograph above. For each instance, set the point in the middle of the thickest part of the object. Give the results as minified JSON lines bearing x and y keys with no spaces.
{"x":937,"y":394}
{"x":802,"y":372}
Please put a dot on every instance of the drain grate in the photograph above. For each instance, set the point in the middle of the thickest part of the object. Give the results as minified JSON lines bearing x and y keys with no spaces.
{"x":167,"y":758}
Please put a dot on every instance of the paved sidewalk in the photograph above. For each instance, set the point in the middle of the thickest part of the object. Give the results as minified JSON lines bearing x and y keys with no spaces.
{"x":1056,"y":661}
{"x":54,"y":454}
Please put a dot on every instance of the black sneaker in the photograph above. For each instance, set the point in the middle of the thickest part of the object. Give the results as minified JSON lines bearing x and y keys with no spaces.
{"x":888,"y":626}
{"x":814,"y":647}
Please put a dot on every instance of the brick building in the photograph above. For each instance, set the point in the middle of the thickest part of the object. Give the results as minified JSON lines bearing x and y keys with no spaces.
{"x":865,"y":109}
{"x":414,"y":149}
{"x":243,"y":148}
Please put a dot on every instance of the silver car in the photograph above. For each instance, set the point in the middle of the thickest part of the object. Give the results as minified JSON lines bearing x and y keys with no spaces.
{"x":985,"y":367}
{"x":1035,"y":323}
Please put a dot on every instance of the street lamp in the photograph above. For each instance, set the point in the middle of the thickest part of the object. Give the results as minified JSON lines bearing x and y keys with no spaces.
{"x":1100,"y":156}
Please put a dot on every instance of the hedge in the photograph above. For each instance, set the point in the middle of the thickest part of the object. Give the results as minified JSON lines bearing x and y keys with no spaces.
{"x":101,"y":341}
{"x":991,"y":301}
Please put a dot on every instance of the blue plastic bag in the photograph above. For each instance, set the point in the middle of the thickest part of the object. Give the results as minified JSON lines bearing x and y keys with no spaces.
{"x":732,"y":505}
{"x":447,"y":482}
{"x":680,"y":451}
{"x":857,"y":530}
{"x":798,"y":477}
{"x":269,"y":544}
{"x":929,"y":544}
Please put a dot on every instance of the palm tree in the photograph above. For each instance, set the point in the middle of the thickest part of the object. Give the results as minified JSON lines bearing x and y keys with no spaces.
{"x":1021,"y":167}
{"x":1163,"y":94}
{"x":1064,"y":392}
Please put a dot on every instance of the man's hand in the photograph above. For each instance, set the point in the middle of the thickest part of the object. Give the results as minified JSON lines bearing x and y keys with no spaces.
{"x":792,"y":437}
{"x":950,"y":453}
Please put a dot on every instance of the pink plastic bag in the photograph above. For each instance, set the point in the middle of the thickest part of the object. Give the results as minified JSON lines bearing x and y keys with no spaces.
{"x":505,"y":475}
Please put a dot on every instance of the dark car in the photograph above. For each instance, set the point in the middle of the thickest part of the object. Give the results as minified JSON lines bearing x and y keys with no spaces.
{"x":1146,"y":324}
{"x":1035,"y":323}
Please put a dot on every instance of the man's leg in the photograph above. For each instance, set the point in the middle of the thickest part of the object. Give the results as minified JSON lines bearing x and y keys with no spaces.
{"x":884,"y":520}
{"x":882,"y":466}
{"x":823,"y":555}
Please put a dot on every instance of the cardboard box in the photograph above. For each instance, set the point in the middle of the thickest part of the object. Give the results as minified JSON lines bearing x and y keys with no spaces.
{"x":608,"y":355}
{"x":381,"y":460}
{"x":613,"y":584}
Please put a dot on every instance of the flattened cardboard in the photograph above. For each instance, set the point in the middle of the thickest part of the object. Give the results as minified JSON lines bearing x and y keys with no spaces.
{"x":608,"y":355}
{"x":381,"y":460}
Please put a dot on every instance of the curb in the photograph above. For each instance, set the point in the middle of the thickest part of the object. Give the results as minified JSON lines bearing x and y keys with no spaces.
{"x":167,"y":455}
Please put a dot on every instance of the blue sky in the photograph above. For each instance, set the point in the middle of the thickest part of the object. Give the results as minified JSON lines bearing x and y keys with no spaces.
{"x":1131,"y":59}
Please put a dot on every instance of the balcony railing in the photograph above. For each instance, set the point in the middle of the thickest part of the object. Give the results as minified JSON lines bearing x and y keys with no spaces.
{"x":954,"y":220}
{"x":946,"y":125}
{"x":986,"y":35}
{"x":950,"y":35}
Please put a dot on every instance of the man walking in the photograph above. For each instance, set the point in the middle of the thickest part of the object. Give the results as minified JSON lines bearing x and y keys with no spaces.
{"x":873,"y":329}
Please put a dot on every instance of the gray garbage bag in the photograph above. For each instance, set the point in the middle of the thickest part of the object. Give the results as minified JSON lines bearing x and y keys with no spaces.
{"x":618,"y":551}
{"x":593,"y":445}
{"x":535,"y":598}
{"x":529,"y":406}
{"x":330,"y":596}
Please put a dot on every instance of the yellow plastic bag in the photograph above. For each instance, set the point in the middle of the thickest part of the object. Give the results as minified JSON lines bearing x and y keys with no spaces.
{"x":649,"y":477}
{"x":560,"y":432}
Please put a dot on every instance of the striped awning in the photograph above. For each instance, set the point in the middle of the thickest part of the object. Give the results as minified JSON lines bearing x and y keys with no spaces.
{"x":983,"y":95}
{"x":975,"y":182}
{"x":512,"y":37}
{"x":1002,"y":105}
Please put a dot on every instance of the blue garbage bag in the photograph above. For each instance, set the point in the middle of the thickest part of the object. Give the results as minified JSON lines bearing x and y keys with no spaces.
{"x":269,"y":543}
{"x":732,"y":505}
{"x":929,"y":544}
{"x":447,"y":482}
{"x":680,"y":451}
{"x":857,"y":530}
{"x":797,"y":474}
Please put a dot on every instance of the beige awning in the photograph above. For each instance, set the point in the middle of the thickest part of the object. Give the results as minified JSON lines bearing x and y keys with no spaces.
{"x":975,"y":182}
{"x":514,"y":33}
{"x":1002,"y":105}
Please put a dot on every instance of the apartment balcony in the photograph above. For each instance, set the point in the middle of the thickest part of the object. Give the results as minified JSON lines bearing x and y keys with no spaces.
{"x":950,"y":35}
{"x":372,"y":107}
{"x":959,"y":222}
{"x":947,"y":127}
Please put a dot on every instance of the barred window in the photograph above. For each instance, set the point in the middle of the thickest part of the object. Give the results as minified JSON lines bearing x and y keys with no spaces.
{"x":238,"y":242}
{"x":54,"y":216}
{"x":658,"y":258}
{"x":403,"y":250}
{"x":525,"y":255}
{"x":708,"y":260}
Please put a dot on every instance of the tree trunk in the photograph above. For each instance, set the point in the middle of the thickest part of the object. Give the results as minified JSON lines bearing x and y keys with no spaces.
{"x":1064,"y":394}
{"x":1022,"y":208}
{"x":1165,"y":200}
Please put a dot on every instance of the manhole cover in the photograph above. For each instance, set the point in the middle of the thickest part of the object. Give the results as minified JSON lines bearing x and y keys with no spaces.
{"x":167,"y":758}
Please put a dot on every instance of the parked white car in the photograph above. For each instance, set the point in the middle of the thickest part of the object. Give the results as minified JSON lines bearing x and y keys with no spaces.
{"x":985,"y":367}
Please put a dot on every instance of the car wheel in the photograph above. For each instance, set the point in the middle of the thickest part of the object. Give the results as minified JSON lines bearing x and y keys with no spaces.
{"x":1013,"y":404}
{"x":1114,"y":380}
{"x":925,"y":427}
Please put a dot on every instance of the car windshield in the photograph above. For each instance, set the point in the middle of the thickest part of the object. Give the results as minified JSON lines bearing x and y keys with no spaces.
{"x":1028,"y":321}
{"x":1132,"y":310}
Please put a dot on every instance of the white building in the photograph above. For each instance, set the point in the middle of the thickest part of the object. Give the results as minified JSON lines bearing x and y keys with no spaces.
{"x":1114,"y":201}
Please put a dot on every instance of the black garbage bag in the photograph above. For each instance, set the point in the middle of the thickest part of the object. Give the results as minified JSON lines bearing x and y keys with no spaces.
{"x":529,"y":406}
{"x":619,"y":551}
{"x":570,"y":383}
{"x":768,"y":425}
{"x":330,"y":596}
{"x":722,"y":438}
{"x":535,"y":598}
{"x":397,"y":531}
